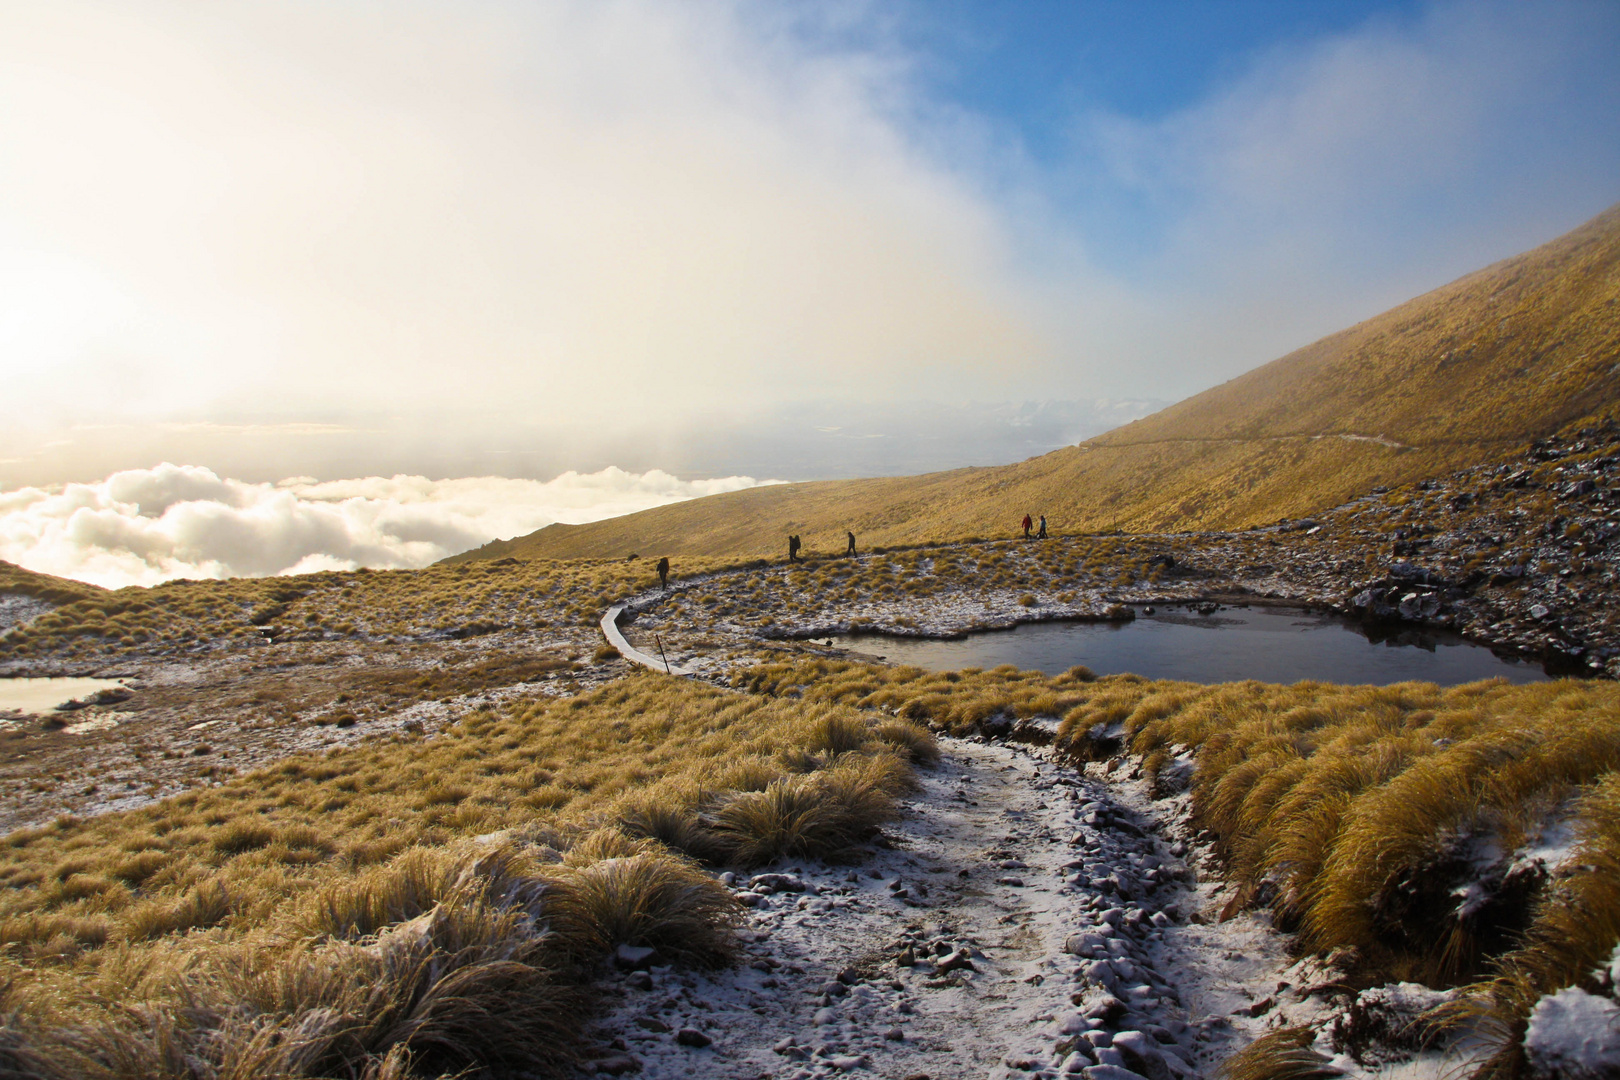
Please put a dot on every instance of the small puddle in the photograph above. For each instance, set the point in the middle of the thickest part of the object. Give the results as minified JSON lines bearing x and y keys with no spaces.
{"x":105,"y":721}
{"x":1272,"y":644}
{"x":40,"y":696}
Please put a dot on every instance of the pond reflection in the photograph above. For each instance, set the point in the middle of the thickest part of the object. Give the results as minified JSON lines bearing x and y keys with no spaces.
{"x":1272,"y":644}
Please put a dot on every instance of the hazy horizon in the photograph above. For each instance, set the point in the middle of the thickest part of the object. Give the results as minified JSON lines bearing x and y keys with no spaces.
{"x":143,"y":526}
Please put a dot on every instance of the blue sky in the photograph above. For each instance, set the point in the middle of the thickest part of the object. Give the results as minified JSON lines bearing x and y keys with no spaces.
{"x":1048,"y":78}
{"x":517,"y":236}
{"x":1031,"y":67}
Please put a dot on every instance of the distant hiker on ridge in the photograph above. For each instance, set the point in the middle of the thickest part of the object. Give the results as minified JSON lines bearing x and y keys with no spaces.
{"x":793,"y":549}
{"x":1042,"y":533}
{"x":663,"y":573}
{"x":1027,"y":524}
{"x":851,"y":549}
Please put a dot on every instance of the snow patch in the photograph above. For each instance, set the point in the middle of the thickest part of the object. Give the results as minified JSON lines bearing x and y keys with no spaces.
{"x":1551,"y":846}
{"x":1572,"y":1035}
{"x":17,"y":610}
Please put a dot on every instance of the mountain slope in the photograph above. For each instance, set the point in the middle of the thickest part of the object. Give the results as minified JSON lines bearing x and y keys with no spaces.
{"x":15,"y":581}
{"x":1462,"y":374}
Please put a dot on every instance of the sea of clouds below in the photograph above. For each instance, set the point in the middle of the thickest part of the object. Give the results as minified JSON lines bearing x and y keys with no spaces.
{"x":145,"y":526}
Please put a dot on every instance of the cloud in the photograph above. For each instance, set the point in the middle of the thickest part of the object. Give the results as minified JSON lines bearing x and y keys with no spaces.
{"x":347,"y":237}
{"x":569,"y":211}
{"x":143,"y":526}
{"x":1328,"y":180}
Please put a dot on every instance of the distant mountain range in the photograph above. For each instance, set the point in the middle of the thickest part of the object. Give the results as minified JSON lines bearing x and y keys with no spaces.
{"x":1462,"y":374}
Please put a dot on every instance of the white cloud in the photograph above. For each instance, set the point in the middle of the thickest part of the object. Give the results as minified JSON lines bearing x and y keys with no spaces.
{"x":1330,"y":179}
{"x":143,"y":526}
{"x":566,"y":211}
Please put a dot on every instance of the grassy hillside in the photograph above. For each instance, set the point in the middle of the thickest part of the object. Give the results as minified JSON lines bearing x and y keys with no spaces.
{"x":1460,"y":375}
{"x":14,"y":580}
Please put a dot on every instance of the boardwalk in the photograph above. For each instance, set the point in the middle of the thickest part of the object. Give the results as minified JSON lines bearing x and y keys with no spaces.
{"x":615,"y":638}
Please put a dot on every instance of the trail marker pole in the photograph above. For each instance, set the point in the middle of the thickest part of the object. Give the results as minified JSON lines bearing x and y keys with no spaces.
{"x":660,"y":642}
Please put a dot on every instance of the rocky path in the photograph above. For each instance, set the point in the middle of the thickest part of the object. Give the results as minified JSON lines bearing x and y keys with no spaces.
{"x":1027,"y":920}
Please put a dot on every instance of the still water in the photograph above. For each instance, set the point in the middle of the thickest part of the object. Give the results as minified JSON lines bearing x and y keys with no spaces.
{"x":43,"y":695}
{"x":1279,"y":645}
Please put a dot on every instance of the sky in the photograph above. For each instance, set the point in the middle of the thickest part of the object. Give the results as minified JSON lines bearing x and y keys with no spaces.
{"x":442,"y":240}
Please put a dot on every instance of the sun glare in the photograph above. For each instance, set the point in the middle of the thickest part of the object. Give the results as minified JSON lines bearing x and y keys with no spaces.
{"x":54,"y":309}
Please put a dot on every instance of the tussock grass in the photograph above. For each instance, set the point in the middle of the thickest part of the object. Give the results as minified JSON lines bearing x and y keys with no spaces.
{"x":448,"y":600}
{"x":354,"y":907}
{"x":202,"y":906}
{"x":1358,"y":812}
{"x":409,"y":907}
{"x":955,"y":701}
{"x":1392,"y":827}
{"x":14,"y":579}
{"x":911,"y":739}
{"x":1571,"y":943}
{"x":836,"y":733}
{"x":1285,"y":1054}
{"x":818,"y":814}
{"x":651,"y":898}
{"x":673,"y":822}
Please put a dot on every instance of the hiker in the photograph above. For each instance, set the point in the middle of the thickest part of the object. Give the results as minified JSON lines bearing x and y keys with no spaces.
{"x":1042,"y":534}
{"x":1027,"y":524}
{"x":793,"y":549}
{"x":851,"y":549}
{"x":663,"y":573}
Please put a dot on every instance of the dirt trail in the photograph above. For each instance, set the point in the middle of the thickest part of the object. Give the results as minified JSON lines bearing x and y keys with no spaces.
{"x":1026,"y":920}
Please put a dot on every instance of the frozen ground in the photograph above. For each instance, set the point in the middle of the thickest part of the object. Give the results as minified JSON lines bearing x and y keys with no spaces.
{"x":1026,"y":919}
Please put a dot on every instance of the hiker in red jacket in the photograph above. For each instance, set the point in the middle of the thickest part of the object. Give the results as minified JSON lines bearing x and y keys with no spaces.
{"x":1027,"y":524}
